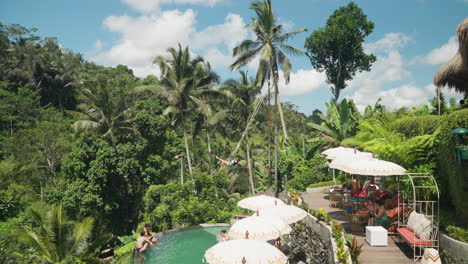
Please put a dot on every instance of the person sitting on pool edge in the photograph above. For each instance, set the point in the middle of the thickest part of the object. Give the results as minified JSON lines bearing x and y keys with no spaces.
{"x":148,"y":235}
{"x":227,"y":163}
{"x":141,"y":246}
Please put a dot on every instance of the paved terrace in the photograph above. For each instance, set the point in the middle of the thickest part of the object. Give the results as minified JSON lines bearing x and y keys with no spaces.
{"x":395,"y":252}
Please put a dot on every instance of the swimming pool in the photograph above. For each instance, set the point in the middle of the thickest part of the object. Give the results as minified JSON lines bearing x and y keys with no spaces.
{"x":184,"y":247}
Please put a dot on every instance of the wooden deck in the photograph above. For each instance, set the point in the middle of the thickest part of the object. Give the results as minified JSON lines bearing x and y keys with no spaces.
{"x":395,"y":252}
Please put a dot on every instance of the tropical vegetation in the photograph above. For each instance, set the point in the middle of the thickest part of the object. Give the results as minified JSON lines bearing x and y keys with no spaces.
{"x":90,"y":153}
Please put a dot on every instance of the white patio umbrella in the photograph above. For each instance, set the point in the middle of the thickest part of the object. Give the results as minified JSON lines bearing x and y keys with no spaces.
{"x":351,"y":155}
{"x":372,"y":167}
{"x":287,"y":213}
{"x":259,"y":228}
{"x":338,"y":150}
{"x":258,"y":202}
{"x":341,"y":162}
{"x":244,"y":251}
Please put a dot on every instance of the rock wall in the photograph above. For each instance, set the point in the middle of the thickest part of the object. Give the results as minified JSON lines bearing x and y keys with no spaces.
{"x":310,"y":242}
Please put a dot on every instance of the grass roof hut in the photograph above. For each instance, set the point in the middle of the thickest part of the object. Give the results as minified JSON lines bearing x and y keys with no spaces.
{"x":454,"y":73}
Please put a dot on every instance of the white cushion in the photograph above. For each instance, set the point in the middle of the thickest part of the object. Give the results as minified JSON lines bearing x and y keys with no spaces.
{"x":423,"y":227}
{"x":431,"y":256}
{"x":412,"y":220}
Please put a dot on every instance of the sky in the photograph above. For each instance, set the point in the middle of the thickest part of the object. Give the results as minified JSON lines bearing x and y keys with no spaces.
{"x":411,"y":39}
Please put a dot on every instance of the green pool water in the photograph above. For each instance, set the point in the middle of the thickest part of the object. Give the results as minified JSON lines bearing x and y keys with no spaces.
{"x":184,"y":247}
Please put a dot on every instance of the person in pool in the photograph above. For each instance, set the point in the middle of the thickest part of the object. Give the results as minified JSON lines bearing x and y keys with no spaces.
{"x":223,"y":236}
{"x":148,"y":235}
{"x":227,"y":163}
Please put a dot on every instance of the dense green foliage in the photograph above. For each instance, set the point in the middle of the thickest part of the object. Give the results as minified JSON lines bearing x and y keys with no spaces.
{"x":458,"y":233}
{"x":174,"y":205}
{"x":94,"y":142}
{"x":418,"y":125}
{"x":95,"y":151}
{"x":451,"y":173}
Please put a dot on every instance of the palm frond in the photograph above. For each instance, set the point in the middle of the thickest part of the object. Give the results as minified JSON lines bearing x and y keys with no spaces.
{"x":86,"y":125}
{"x":286,"y":36}
{"x":245,"y":58}
{"x":245,"y":46}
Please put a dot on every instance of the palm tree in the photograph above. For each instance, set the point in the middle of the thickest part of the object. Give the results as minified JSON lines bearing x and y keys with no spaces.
{"x":185,"y":81}
{"x":247,"y":164}
{"x":54,"y":238}
{"x":105,"y":111}
{"x":55,"y":73}
{"x":245,"y":93}
{"x":340,"y":123}
{"x":269,"y":45}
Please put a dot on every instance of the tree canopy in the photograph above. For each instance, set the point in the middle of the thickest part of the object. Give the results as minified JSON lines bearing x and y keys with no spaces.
{"x":337,"y":48}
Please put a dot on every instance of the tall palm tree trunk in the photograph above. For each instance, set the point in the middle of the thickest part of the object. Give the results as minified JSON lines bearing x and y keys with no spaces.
{"x":275,"y":80}
{"x":208,"y":143}
{"x":189,"y":160}
{"x":249,"y":166}
{"x":283,"y":124}
{"x":269,"y":132}
{"x":182,"y":169}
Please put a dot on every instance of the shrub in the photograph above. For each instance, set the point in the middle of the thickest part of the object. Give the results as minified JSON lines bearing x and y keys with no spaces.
{"x":458,"y":233}
{"x":418,"y":125}
{"x":302,"y":172}
{"x":355,"y":249}
{"x":450,"y":174}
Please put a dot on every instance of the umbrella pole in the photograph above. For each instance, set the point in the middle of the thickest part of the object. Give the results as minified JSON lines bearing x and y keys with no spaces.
{"x":334,"y":181}
{"x":285,"y":196}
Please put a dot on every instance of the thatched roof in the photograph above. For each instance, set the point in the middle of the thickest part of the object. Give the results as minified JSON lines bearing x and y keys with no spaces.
{"x":454,"y":73}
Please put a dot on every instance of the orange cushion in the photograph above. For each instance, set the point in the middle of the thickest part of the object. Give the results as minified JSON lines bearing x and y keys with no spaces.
{"x":409,"y":236}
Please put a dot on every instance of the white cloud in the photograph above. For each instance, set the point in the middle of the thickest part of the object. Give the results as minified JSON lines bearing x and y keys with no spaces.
{"x":301,"y":82}
{"x":146,"y":36}
{"x":442,"y":54}
{"x":98,"y":45}
{"x":148,"y":6}
{"x":403,"y":96}
{"x":389,"y":67}
{"x":287,"y":24}
{"x":448,"y":92}
{"x":390,"y":42}
{"x":230,"y":33}
{"x":217,"y":59}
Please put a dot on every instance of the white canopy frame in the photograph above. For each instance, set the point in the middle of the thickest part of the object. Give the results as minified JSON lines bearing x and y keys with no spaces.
{"x":423,"y":189}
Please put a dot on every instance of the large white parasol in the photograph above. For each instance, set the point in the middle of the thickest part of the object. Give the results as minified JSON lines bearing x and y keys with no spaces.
{"x":244,"y":251}
{"x":338,"y":150}
{"x":287,"y":213}
{"x":352,"y":155}
{"x":341,"y":162}
{"x":342,"y":152}
{"x":373,"y":167}
{"x":259,"y":228}
{"x":258,"y":202}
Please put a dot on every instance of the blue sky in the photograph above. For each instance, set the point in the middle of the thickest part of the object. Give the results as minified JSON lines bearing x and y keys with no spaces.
{"x":412,"y":39}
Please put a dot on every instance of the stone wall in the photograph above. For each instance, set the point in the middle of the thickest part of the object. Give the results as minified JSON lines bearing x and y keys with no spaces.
{"x":311,"y":242}
{"x":308,"y":245}
{"x":453,"y":251}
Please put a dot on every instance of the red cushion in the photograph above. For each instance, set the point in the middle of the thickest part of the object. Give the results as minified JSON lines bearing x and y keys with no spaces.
{"x":409,"y":236}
